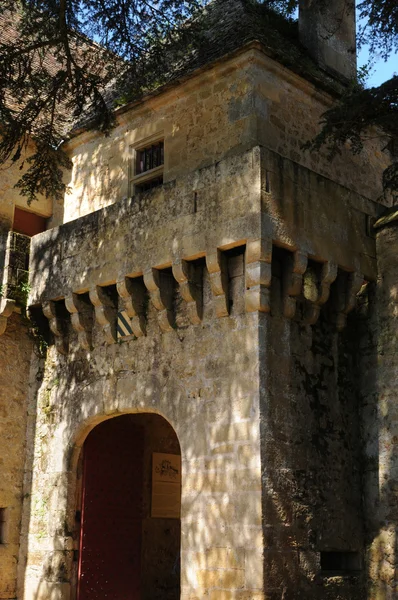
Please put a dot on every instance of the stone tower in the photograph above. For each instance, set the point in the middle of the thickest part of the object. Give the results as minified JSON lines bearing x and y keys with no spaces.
{"x":211,"y":418}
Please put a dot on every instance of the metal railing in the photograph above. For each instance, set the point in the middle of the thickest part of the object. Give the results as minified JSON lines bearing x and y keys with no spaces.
{"x":14,"y":265}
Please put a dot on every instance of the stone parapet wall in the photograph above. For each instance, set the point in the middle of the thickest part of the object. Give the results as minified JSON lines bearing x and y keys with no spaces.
{"x":247,"y":197}
{"x":302,"y":210}
{"x":215,"y":207}
{"x":246,"y":100}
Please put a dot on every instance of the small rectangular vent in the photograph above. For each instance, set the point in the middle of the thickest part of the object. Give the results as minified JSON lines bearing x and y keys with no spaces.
{"x":340,"y":562}
{"x":2,"y":525}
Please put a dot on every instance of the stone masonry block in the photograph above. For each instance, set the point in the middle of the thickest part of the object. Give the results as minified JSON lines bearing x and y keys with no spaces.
{"x":225,"y":558}
{"x":230,"y":432}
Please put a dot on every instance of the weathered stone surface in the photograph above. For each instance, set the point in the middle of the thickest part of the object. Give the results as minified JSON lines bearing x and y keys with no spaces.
{"x":381,"y":434}
{"x":329,"y":35}
{"x":237,"y":275}
{"x":15,"y":355}
{"x":170,"y":375}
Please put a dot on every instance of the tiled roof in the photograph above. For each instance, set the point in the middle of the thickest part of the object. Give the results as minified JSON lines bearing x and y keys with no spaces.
{"x":228,"y":25}
{"x":225,"y":26}
{"x":231,"y":24}
{"x":86,"y":51}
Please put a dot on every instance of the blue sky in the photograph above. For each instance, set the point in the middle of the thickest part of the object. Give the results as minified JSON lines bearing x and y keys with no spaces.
{"x":381,"y":70}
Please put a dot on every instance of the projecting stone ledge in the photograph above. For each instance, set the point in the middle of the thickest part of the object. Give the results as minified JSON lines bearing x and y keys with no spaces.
{"x":120,"y":307}
{"x":7,"y":307}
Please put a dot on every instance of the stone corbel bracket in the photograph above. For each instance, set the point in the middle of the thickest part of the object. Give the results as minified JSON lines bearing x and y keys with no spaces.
{"x":133,"y":297}
{"x":217,"y":268}
{"x":56,"y":325}
{"x":258,"y":275}
{"x":316,"y":290}
{"x":105,"y":312}
{"x":191,"y":286}
{"x":347,"y":298}
{"x":81,"y":319}
{"x":6,"y":309}
{"x":292,"y":282}
{"x":161,"y":292}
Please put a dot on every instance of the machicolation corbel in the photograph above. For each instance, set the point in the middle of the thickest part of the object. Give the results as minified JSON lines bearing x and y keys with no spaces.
{"x":292,"y":282}
{"x":218,"y":272}
{"x":316,"y":289}
{"x":258,"y":273}
{"x":81,"y":319}
{"x":189,"y":277}
{"x":160,"y":285}
{"x":133,"y":295}
{"x":349,"y":285}
{"x":105,"y":312}
{"x":57,"y":325}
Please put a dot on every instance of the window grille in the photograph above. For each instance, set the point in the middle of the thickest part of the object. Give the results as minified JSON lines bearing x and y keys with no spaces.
{"x":14,"y":270}
{"x":147,"y":167}
{"x":150,"y":158}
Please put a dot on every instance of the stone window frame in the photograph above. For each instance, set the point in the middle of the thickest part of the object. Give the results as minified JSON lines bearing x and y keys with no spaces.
{"x":136,"y":179}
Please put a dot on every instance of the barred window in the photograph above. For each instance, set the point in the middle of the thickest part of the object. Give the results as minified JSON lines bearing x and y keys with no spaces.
{"x":147,"y":167}
{"x":149,"y":158}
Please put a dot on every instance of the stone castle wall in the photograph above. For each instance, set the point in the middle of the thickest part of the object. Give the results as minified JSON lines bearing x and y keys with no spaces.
{"x":311,"y":454}
{"x":379,"y":398}
{"x":258,"y":383}
{"x":245,"y":101}
{"x":211,"y":400}
{"x":238,"y":275}
{"x":15,"y":355}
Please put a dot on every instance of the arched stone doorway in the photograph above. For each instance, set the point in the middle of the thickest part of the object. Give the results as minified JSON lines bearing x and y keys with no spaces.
{"x":130,"y":499}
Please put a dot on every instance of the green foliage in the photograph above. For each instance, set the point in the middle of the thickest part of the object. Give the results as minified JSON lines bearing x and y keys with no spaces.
{"x":54,"y":78}
{"x":36,"y":333}
{"x":379,"y":26}
{"x":363,"y":113}
{"x":24,"y":290}
{"x":40,"y":342}
{"x":44,"y":173}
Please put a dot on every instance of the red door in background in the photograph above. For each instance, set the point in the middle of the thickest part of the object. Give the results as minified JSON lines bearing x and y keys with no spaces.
{"x":111,"y":527}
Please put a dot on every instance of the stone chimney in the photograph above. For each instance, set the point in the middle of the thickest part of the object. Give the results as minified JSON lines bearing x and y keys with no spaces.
{"x":327,"y":30}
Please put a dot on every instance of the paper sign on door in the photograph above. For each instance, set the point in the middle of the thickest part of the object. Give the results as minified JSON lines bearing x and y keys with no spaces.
{"x":166,"y":486}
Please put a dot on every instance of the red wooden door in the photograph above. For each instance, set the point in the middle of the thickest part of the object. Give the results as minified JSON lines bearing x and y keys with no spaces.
{"x":110,"y":542}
